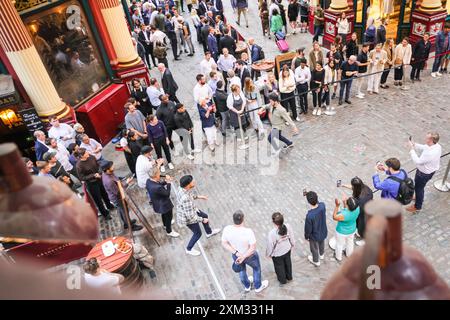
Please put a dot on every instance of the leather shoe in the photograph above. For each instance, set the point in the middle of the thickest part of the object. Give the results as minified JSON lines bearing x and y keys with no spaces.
{"x":340,"y":102}
{"x":348,"y":101}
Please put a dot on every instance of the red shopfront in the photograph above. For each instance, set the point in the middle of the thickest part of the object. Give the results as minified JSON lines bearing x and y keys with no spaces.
{"x":73,"y":42}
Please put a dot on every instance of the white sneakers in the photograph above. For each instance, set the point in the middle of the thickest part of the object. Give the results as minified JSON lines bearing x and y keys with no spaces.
{"x":190,"y":157}
{"x":264,"y":285}
{"x":297,"y":119}
{"x":196,"y":151}
{"x":438,"y":74}
{"x":170,"y":165}
{"x":360,"y":95}
{"x":173,"y":234}
{"x":322,"y":257}
{"x":319,"y":111}
{"x":314,"y":112}
{"x":193,"y":252}
{"x":310,"y":258}
{"x":162,"y":169}
{"x":360,"y":243}
{"x":214,"y":232}
{"x":433,"y":74}
{"x":250,"y":279}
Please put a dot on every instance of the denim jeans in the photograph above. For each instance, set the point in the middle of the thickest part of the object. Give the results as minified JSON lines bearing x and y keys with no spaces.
{"x":195,"y":228}
{"x":345,"y":85}
{"x":276,"y":134}
{"x":420,"y":181}
{"x":318,"y":30}
{"x":437,"y":62}
{"x":253,"y":262}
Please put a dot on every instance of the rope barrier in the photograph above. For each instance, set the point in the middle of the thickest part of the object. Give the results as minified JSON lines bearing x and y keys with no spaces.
{"x":296,"y":94}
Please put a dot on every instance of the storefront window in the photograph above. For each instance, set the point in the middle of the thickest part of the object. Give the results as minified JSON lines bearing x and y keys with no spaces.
{"x":408,"y":9}
{"x":66,"y":46}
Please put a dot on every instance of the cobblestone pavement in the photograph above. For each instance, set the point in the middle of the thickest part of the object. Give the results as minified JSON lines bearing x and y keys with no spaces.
{"x":328,"y":148}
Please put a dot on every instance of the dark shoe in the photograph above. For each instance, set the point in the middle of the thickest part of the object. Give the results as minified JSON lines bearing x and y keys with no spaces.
{"x":418,"y":79}
{"x":190,"y":54}
{"x":177,"y":59}
{"x":340,"y":102}
{"x":133,"y":221}
{"x":108,"y":217}
{"x":238,"y":23}
{"x":152,"y":274}
{"x":412,"y":80}
{"x":185,"y":51}
{"x":136,"y":227}
{"x":348,"y":101}
{"x":333,"y":96}
{"x":400,"y":83}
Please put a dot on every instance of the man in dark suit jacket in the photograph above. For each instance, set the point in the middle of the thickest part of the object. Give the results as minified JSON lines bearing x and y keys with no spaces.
{"x":227,"y":42}
{"x":204,"y":31}
{"x":202,"y":8}
{"x":40,"y":146}
{"x":242,"y":72}
{"x":144,"y":39}
{"x":168,"y":82}
{"x":159,"y":193}
{"x":219,"y":6}
{"x":213,"y":47}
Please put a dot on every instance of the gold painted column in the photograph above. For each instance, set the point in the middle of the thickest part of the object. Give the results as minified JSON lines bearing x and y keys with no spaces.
{"x":116,"y":24}
{"x":338,"y":5}
{"x":24,"y":58}
{"x":430,"y":6}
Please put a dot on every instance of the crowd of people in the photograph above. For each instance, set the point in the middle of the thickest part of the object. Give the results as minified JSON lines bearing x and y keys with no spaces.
{"x":228,"y":96}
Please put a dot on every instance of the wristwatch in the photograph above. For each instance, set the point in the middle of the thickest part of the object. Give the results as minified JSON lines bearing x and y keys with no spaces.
{"x":235,"y":252}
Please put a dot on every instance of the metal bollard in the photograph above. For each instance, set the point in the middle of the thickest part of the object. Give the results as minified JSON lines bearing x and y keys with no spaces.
{"x":243,"y":146}
{"x":443,"y":185}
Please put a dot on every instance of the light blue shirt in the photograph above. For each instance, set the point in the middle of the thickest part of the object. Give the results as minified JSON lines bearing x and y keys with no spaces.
{"x":153,"y":95}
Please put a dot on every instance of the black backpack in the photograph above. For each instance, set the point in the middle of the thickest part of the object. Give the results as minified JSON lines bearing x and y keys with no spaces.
{"x":405,"y":190}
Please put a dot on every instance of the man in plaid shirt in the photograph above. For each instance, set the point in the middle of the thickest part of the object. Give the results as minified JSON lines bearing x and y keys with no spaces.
{"x":189,"y":215}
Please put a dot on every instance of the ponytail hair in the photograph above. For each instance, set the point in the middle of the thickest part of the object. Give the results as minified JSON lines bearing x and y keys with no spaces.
{"x":278,"y":220}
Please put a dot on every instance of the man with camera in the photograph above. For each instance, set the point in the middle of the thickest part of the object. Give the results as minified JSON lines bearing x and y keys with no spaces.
{"x":390,"y":186}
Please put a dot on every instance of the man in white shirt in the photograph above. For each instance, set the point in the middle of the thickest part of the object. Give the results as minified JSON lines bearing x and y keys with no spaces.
{"x":202,"y":90}
{"x":207,"y":64}
{"x":62,"y":132}
{"x":154,"y":91}
{"x":427,"y":164}
{"x":156,"y":35}
{"x":302,"y":78}
{"x":92,"y":146}
{"x":225,"y":62}
{"x":241,"y":243}
{"x":62,"y":155}
{"x":233,"y":79}
{"x":144,"y":165}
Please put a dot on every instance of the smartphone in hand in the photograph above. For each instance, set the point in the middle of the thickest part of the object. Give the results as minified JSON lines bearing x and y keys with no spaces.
{"x":304,"y":192}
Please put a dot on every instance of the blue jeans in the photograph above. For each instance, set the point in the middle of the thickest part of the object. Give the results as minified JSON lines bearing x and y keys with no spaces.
{"x":318,"y":30}
{"x":437,"y":62}
{"x":420,"y":180}
{"x":275,"y":133}
{"x":253,"y":262}
{"x":195,"y":228}
{"x":345,"y":86}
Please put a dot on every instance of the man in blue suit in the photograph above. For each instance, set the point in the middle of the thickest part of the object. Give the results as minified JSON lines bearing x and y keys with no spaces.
{"x":159,"y":192}
{"x":212,"y":44}
{"x":40,"y":146}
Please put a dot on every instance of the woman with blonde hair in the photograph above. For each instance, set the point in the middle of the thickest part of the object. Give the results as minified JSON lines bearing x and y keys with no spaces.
{"x":402,"y":57}
{"x":389,"y":48}
{"x":287,"y":90}
{"x":253,"y":103}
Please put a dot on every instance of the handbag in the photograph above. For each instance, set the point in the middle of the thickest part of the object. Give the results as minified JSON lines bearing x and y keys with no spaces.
{"x":276,"y":243}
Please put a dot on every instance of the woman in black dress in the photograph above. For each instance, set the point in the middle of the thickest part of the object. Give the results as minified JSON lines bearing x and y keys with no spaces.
{"x":420,"y":54}
{"x":293,"y":10}
{"x":139,"y":92}
{"x":316,"y":86}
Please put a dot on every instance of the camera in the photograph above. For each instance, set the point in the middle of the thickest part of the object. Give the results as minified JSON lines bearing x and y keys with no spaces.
{"x":304,"y":192}
{"x":338,"y":183}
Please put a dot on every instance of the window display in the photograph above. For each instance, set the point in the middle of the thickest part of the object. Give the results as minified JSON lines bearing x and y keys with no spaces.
{"x":65,"y":43}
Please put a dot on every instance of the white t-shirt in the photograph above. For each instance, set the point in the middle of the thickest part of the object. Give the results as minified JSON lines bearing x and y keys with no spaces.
{"x":240,"y":238}
{"x":104,"y":280}
{"x":143,"y":167}
{"x":64,"y":130}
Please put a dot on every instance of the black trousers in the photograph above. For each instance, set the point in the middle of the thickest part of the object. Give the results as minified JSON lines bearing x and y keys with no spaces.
{"x":302,"y":88}
{"x":289,"y":103}
{"x":169,"y":133}
{"x":100,"y":197}
{"x":283,"y":267}
{"x":317,"y":98}
{"x":167,"y":220}
{"x":159,"y":145}
{"x":384,"y":76}
{"x":415,"y":72}
{"x":130,"y":161}
{"x":173,"y":97}
{"x":398,"y":74}
{"x":174,"y":45}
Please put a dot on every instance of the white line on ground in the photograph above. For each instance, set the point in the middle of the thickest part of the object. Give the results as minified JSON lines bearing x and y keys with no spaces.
{"x":213,"y":274}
